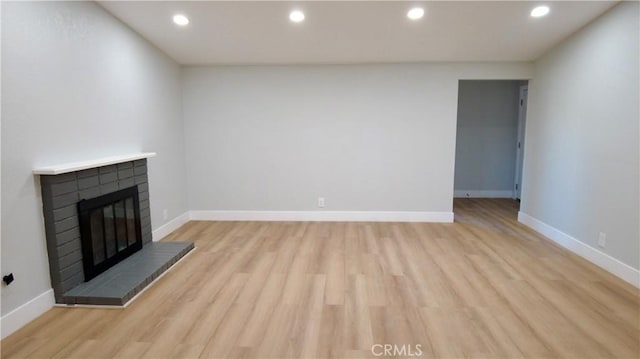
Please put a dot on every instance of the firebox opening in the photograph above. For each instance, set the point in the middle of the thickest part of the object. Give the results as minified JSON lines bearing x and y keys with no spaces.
{"x":110,"y":230}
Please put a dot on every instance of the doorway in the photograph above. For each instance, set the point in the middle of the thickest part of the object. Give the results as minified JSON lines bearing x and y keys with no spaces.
{"x":490,"y":136}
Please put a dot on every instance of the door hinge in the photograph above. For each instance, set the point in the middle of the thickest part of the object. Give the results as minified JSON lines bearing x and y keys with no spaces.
{"x":518,"y":144}
{"x":516,"y":186}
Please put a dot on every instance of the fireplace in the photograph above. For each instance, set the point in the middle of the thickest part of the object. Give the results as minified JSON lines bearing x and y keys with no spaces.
{"x":97,"y":220}
{"x":110,"y":229}
{"x":63,"y":187}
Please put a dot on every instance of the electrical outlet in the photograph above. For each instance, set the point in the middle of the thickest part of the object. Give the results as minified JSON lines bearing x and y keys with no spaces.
{"x":7,"y":279}
{"x":321,"y":202}
{"x":602,"y":240}
{"x":165,"y":214}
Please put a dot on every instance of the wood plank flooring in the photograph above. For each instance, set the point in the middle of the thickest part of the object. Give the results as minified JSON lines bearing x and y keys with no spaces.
{"x":483,"y":287}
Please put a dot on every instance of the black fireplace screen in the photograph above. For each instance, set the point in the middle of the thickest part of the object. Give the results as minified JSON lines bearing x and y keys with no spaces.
{"x":109,"y":229}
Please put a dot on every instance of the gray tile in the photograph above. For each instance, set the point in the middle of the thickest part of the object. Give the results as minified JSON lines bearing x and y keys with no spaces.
{"x":145,"y":223}
{"x":144,"y":204}
{"x":126,"y":183}
{"x":64,"y":187}
{"x":51,"y":179}
{"x":108,"y":187}
{"x":87,"y":173}
{"x":125,"y":173}
{"x":89,"y":193}
{"x":123,"y":281}
{"x":67,"y":236}
{"x":69,"y":259}
{"x":143,"y":196}
{"x":65,"y":212}
{"x":108,"y":177}
{"x":69,"y":247}
{"x":64,"y":200}
{"x":145,"y":216}
{"x":141,"y":179}
{"x":71,"y":282}
{"x":124,"y":165}
{"x":66,"y":224}
{"x":147,"y":238}
{"x":140,"y":170}
{"x":88,"y":182}
{"x":107,"y":169}
{"x":70,"y":271}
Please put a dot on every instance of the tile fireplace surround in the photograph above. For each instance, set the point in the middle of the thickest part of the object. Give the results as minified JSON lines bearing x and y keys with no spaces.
{"x":62,"y":188}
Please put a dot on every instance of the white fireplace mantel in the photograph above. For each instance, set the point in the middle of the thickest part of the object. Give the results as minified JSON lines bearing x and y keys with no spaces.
{"x":83,"y":165}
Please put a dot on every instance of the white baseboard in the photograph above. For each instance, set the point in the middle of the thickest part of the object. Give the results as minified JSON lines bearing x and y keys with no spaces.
{"x":599,"y":258}
{"x":322,"y":216}
{"x":27,"y":312}
{"x":460,"y":193}
{"x":170,"y":226}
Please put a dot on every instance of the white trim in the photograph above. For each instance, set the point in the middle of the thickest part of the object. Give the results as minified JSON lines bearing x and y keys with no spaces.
{"x":322,"y":216}
{"x":460,"y":193}
{"x":601,"y":259}
{"x":83,"y":165}
{"x":170,"y":226}
{"x":522,"y":124}
{"x":27,"y":312}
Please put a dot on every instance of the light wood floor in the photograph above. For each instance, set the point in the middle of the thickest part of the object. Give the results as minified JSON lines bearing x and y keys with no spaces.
{"x":483,"y":287}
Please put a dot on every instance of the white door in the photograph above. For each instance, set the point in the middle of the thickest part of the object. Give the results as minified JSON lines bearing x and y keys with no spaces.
{"x":522,"y":119}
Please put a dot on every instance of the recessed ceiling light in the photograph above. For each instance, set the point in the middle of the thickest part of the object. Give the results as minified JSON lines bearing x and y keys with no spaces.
{"x":180,"y":20}
{"x":415,"y":13}
{"x":540,"y":11}
{"x":296,"y":16}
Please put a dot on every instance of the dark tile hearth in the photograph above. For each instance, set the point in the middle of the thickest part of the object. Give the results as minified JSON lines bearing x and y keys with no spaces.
{"x":122,"y":282}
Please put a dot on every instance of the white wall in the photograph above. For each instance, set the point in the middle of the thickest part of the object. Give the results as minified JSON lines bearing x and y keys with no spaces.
{"x":77,"y":84}
{"x":487,"y":136}
{"x":581,"y":171}
{"x":365,"y":137}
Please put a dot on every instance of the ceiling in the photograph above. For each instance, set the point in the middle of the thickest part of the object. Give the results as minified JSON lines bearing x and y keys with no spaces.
{"x":239,"y":32}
